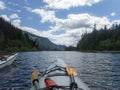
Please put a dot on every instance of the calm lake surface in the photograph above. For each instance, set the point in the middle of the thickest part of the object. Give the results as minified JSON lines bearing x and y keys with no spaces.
{"x":100,"y":71}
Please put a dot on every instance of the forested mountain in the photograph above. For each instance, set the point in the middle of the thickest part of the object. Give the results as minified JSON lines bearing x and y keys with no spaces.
{"x":13,"y":39}
{"x":45,"y":43}
{"x":100,"y":40}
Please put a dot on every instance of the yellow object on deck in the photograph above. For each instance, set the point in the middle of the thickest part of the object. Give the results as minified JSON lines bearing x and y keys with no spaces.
{"x":71,"y":71}
{"x":34,"y":75}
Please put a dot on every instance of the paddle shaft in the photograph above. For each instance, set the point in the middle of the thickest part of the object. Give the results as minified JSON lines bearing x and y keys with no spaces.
{"x":73,"y":85}
{"x":36,"y":84}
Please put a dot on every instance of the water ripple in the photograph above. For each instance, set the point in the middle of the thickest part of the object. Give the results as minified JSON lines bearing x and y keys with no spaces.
{"x":100,"y":71}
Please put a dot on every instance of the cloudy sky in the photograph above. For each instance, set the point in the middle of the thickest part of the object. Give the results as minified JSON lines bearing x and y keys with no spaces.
{"x":62,"y":21}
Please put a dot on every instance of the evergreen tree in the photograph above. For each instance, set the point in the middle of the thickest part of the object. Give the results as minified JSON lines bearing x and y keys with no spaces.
{"x":13,"y":39}
{"x":103,"y":39}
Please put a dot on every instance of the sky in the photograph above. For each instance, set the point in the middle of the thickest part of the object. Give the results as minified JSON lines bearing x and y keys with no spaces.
{"x":61,"y":21}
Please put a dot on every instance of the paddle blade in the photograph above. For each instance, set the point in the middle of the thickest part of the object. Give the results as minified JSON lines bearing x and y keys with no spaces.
{"x":71,"y":71}
{"x":34,"y":75}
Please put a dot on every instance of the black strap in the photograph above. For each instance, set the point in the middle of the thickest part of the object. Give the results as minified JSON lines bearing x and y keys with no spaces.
{"x":73,"y":84}
{"x":35,"y":80}
{"x":54,"y":69}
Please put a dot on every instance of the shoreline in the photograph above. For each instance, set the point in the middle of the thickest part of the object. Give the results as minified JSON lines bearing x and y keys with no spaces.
{"x":93,"y":51}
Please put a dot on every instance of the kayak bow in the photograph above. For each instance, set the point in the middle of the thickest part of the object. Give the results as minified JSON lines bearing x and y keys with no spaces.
{"x":58,"y":76}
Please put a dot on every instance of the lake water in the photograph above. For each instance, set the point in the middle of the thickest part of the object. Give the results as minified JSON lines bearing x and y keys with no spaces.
{"x":100,"y":71}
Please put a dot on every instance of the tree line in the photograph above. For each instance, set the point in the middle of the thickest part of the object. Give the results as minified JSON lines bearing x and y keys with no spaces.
{"x":101,"y":40}
{"x":13,"y":39}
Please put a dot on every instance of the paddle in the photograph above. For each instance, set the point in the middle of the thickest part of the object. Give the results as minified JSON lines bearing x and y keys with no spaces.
{"x":34,"y":75}
{"x":34,"y":79}
{"x":71,"y":71}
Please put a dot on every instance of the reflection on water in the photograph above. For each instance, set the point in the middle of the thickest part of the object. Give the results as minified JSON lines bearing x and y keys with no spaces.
{"x":100,"y":71}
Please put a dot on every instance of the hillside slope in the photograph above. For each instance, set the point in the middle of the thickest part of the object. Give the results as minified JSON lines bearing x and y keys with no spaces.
{"x":45,"y":43}
{"x":13,"y":39}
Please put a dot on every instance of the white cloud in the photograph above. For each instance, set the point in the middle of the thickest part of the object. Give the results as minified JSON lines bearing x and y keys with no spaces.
{"x":5,"y":17}
{"x":70,"y":38}
{"x":16,"y":22}
{"x":113,"y":14}
{"x":29,"y":18}
{"x":2,"y":5}
{"x":101,"y":22}
{"x":15,"y":19}
{"x":75,"y":21}
{"x":18,"y":11}
{"x":77,"y":24}
{"x":66,"y":4}
{"x":78,"y":21}
{"x":14,"y":10}
{"x":28,"y":8}
{"x":14,"y":16}
{"x":74,"y":26}
{"x":31,"y":30}
{"x":45,"y":15}
{"x":116,"y":22}
{"x":14,"y":4}
{"x":26,"y":2}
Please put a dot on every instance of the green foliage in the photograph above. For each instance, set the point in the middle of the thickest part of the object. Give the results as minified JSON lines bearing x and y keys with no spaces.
{"x":70,"y":48}
{"x":99,"y":40}
{"x":13,"y":39}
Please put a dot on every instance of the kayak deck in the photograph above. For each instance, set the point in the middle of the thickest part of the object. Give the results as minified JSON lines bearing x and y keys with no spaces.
{"x":57,"y":73}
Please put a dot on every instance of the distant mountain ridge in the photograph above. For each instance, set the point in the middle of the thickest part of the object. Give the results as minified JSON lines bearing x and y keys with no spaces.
{"x":45,"y":43}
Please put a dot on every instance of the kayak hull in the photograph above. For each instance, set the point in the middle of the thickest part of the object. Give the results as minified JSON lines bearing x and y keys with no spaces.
{"x":8,"y":61}
{"x":60,"y":78}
